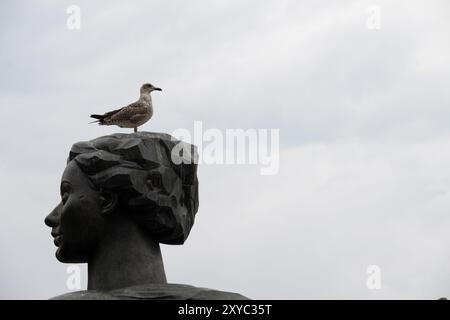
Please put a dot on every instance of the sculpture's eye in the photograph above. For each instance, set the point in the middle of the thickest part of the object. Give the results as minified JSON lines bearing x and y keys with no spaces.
{"x":64,"y":197}
{"x":65,"y":190}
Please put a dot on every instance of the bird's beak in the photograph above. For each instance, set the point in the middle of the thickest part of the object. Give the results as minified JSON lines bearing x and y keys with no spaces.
{"x":158,"y":89}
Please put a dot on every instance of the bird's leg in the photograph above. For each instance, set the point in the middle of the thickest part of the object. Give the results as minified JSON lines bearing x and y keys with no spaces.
{"x":135,"y":129}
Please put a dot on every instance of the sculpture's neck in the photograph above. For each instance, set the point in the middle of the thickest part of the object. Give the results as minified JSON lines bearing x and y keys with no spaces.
{"x":125,"y":257}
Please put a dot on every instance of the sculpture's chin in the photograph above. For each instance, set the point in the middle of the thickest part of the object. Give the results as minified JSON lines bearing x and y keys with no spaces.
{"x":65,"y":257}
{"x":59,"y":256}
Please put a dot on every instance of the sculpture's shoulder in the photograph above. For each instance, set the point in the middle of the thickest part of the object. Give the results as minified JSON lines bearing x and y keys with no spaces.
{"x":85,"y":295}
{"x":169,"y":291}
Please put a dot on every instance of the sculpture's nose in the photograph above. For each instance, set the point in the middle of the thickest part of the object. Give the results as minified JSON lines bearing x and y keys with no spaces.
{"x":52,"y":220}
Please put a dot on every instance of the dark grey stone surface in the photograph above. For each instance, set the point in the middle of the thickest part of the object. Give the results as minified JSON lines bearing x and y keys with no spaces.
{"x":158,"y":291}
{"x":122,"y":195}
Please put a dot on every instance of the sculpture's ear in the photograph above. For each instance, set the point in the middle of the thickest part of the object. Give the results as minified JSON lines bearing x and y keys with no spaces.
{"x":109,"y":201}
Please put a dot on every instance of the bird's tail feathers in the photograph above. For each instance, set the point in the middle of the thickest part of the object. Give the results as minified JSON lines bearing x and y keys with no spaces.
{"x":99,"y":118}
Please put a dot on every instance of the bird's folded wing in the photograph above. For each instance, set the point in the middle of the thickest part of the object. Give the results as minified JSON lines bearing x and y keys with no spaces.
{"x":128,"y":111}
{"x":111,"y":113}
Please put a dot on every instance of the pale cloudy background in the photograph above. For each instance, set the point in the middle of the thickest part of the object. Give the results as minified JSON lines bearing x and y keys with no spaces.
{"x":364,"y":137}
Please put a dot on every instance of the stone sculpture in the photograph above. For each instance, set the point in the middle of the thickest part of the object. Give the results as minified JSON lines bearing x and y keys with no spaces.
{"x":122,"y":195}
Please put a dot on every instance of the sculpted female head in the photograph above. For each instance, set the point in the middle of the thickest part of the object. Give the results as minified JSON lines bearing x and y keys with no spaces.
{"x":126,"y":175}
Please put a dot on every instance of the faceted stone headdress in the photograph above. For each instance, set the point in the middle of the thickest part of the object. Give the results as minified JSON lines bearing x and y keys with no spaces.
{"x":159,"y":193}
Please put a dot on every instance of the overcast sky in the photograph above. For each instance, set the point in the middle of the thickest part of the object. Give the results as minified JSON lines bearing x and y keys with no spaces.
{"x":363,"y":114}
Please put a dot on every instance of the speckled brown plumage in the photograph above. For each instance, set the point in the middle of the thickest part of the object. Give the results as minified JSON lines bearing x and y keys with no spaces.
{"x":133,"y":115}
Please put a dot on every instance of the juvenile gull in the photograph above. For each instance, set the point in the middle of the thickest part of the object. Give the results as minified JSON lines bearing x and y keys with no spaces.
{"x":133,"y":115}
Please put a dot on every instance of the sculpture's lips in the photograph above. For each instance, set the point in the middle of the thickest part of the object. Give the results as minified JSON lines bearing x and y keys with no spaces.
{"x":57,"y":236}
{"x":57,"y":240}
{"x":55,"y":233}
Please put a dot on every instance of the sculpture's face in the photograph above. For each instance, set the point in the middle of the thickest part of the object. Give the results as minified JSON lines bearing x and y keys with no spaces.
{"x":77,"y":222}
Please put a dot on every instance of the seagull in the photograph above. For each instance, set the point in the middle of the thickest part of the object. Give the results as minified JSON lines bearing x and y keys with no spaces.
{"x":133,"y":115}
